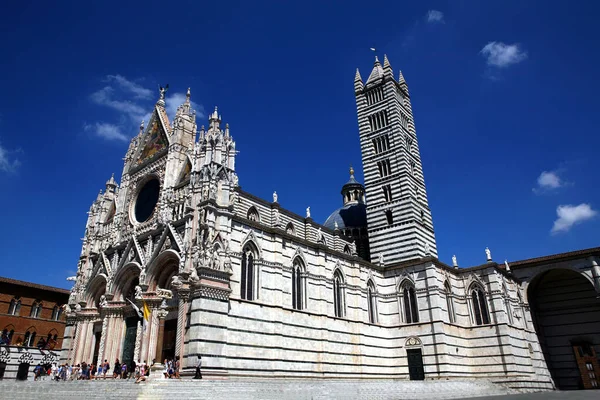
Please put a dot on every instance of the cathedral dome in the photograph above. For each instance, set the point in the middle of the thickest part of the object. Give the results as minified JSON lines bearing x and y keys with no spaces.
{"x":354,"y":212}
{"x":348,"y":216}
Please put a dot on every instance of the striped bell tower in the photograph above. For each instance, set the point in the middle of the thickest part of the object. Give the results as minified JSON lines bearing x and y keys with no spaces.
{"x":398,"y":215}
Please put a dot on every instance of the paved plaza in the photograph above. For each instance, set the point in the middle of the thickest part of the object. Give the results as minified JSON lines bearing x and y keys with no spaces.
{"x":246,"y":389}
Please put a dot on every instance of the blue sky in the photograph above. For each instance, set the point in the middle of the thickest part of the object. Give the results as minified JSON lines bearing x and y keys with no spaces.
{"x":504,"y":96}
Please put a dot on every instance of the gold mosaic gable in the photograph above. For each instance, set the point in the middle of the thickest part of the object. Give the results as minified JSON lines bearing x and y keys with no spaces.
{"x":155,"y":140}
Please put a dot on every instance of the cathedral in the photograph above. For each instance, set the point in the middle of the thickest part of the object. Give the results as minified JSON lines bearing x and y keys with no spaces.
{"x":178,"y":261}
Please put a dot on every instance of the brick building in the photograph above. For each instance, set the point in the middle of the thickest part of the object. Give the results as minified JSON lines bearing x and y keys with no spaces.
{"x":32,"y":322}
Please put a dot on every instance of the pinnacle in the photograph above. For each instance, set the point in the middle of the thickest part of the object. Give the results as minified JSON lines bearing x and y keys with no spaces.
{"x":386,"y":62}
{"x":357,"y":76}
{"x":401,"y":77}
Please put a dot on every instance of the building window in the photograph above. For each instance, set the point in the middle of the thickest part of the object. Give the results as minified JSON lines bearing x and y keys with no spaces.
{"x":36,"y":310}
{"x":412,"y":168}
{"x":29,"y":339}
{"x":297,"y":285}
{"x":15,"y":306}
{"x":409,"y":300}
{"x":449,"y":302}
{"x":479,"y":303}
{"x":387,"y":193}
{"x":384,"y":167}
{"x":56,"y":312}
{"x":381,"y":144}
{"x":378,"y":120}
{"x":409,"y":143}
{"x":253,"y":214}
{"x":347,"y":250}
{"x":374,"y":96}
{"x":247,"y":281}
{"x":371,"y":302}
{"x":338,"y":294}
{"x":389,"y":216}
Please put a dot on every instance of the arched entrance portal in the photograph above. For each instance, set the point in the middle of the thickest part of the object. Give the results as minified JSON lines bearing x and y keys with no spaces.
{"x":566,"y":313}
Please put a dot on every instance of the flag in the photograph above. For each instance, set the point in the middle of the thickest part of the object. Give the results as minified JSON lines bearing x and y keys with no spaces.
{"x":136,"y":308}
{"x":146,"y":310}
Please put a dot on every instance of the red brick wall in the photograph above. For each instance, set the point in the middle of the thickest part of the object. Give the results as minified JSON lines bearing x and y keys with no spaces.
{"x":43,"y":325}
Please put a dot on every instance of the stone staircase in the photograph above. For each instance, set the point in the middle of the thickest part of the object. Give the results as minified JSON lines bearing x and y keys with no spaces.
{"x":247,"y":389}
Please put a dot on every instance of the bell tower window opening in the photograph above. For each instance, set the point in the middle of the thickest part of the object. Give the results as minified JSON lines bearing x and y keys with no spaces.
{"x":387,"y":193}
{"x":378,"y":120}
{"x":389,"y":217}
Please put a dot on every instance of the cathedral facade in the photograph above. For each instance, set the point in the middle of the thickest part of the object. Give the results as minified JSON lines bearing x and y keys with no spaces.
{"x":178,"y":261}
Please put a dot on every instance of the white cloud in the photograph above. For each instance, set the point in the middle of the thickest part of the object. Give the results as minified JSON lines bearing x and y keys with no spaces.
{"x":7,"y":163}
{"x":569,"y":215}
{"x":174,"y":100}
{"x":547,"y":181}
{"x":435,"y":16}
{"x":106,"y":131}
{"x":138,"y":91}
{"x":502,"y":55}
{"x":106,"y":97}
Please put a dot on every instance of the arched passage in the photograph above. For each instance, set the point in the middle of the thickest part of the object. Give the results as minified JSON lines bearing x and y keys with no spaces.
{"x":566,"y":315}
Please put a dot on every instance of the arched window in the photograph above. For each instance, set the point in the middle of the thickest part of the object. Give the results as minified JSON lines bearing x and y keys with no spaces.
{"x":253,"y":214}
{"x":36,"y":310}
{"x":297,"y":285}
{"x":56,"y":312}
{"x":15,"y":306}
{"x":449,"y":302}
{"x":289,"y":229}
{"x":247,"y":281}
{"x":410,"y":306}
{"x":371,"y":302}
{"x":338,"y":294}
{"x":29,"y":339}
{"x":479,"y":304}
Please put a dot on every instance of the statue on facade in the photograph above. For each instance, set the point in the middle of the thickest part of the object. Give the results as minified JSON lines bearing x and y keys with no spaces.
{"x":454,"y":261}
{"x":506,"y":266}
{"x":307,"y":212}
{"x":176,"y":282}
{"x":205,"y":192}
{"x":274,"y":197}
{"x":213,"y":190}
{"x":138,"y":292}
{"x":232,"y":197}
{"x":227,"y":263}
{"x":276,"y":220}
{"x":163,"y":90}
{"x":488,"y":254}
{"x":142,"y":278}
{"x":335,"y":225}
{"x":77,"y":307}
{"x":427,"y":249}
{"x":381,"y":261}
{"x":102,"y":302}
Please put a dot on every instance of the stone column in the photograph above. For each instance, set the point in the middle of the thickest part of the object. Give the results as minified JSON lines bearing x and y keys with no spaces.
{"x":68,"y":342}
{"x":138,"y":341}
{"x":73,"y":354}
{"x":161,"y":314}
{"x":181,"y":323}
{"x":103,"y":338}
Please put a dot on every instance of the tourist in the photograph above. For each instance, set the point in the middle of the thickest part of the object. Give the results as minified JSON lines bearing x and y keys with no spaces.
{"x":124,"y":371}
{"x":198,"y":366}
{"x":132,"y":369}
{"x":176,"y":367}
{"x":166,"y":368}
{"x":37,"y":372}
{"x":105,"y":368}
{"x":117,"y":370}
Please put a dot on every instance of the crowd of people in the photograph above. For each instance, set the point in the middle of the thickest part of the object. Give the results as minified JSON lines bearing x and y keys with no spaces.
{"x":84,"y":371}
